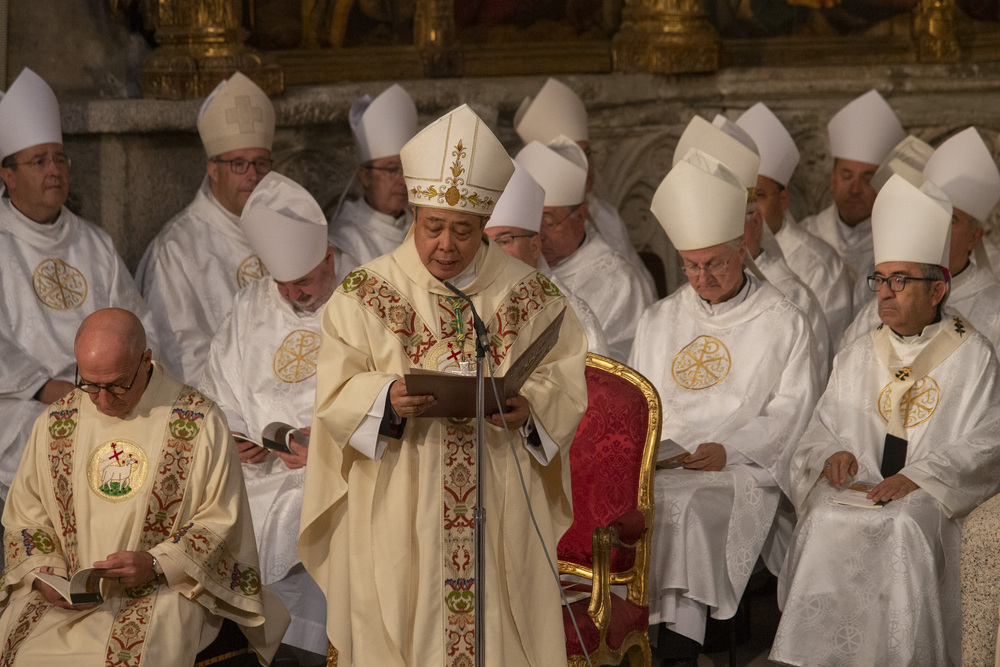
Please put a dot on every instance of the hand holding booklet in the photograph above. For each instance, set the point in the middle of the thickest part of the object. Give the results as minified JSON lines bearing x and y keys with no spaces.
{"x":83,"y":588}
{"x":670,"y":455}
{"x":277,"y":436}
{"x":456,"y":394}
{"x":856,"y":495}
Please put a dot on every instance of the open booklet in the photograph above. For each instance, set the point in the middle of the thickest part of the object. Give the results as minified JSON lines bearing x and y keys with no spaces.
{"x":856,"y":494}
{"x":456,"y":394}
{"x":670,"y":455}
{"x":277,"y":436}
{"x":83,"y":588}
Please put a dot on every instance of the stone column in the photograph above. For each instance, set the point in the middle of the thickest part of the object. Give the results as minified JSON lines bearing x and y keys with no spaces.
{"x":435,"y":37}
{"x":665,"y":36}
{"x":934,"y":31}
{"x":200,"y":43}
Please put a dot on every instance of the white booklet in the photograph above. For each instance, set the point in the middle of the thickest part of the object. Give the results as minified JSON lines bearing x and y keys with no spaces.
{"x":670,"y":455}
{"x":83,"y":588}
{"x":856,"y":495}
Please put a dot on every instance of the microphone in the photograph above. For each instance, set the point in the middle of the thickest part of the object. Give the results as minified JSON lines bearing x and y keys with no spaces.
{"x":482,"y":339}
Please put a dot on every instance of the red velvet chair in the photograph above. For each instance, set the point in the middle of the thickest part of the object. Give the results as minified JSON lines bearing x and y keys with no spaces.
{"x":612,"y":463}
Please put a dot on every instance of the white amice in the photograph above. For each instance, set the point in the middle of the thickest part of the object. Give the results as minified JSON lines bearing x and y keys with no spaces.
{"x":53,"y":276}
{"x":819,"y":266}
{"x":743,"y":373}
{"x":189,"y":275}
{"x":879,"y":586}
{"x":975,"y":294}
{"x":364,"y":233}
{"x":612,"y":287}
{"x":262,"y":368}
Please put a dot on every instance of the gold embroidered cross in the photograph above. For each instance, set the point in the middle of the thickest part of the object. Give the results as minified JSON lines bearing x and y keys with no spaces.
{"x":245,"y":114}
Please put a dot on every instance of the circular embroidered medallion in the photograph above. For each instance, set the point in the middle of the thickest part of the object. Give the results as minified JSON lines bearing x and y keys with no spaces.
{"x":250,"y":269}
{"x":919,"y":403}
{"x":445,"y":355}
{"x":58,"y":285}
{"x":295,"y":360}
{"x":117,"y":469}
{"x":703,"y":363}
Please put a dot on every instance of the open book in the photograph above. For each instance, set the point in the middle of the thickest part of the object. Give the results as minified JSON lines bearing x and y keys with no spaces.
{"x":83,"y":588}
{"x":277,"y":436}
{"x":456,"y":394}
{"x":856,"y":494}
{"x":670,"y":455}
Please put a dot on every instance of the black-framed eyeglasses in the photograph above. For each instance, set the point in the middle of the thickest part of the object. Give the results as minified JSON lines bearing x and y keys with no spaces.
{"x":391,"y":172}
{"x":239,"y":166}
{"x":505,"y":240}
{"x":895,"y":283}
{"x":113,"y":389}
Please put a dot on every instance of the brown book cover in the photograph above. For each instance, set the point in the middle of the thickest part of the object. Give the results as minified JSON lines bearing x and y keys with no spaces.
{"x":456,"y":394}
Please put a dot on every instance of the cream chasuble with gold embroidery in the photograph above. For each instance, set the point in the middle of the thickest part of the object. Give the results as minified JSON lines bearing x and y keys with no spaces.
{"x":189,"y":275}
{"x":51,"y":278}
{"x":880,"y":586}
{"x":164,"y":479}
{"x":262,"y":368}
{"x":745,"y":377}
{"x":390,"y":540}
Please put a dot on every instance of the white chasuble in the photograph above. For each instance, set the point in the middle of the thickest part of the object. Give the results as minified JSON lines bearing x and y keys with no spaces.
{"x":747,"y":378}
{"x":975,"y":294}
{"x":611,"y":286}
{"x":879,"y":586}
{"x":389,"y":540}
{"x":853,"y":244}
{"x":262,"y":368}
{"x":597,"y":342}
{"x":822,"y":270}
{"x":604,"y":219}
{"x":51,"y":278}
{"x":189,"y":275}
{"x":163,"y":479}
{"x":364,"y":233}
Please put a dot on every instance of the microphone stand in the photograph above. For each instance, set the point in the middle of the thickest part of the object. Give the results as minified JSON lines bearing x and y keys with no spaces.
{"x":479,"y":515}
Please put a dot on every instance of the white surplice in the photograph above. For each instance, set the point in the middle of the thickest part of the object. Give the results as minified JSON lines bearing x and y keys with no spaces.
{"x":189,"y":275}
{"x":880,"y":586}
{"x":51,"y":278}
{"x":364,"y":233}
{"x":778,"y":273}
{"x":819,"y":266}
{"x":612,"y":288}
{"x":604,"y":219}
{"x":975,"y":294}
{"x":853,"y":244}
{"x":261,"y":368}
{"x":743,"y":374}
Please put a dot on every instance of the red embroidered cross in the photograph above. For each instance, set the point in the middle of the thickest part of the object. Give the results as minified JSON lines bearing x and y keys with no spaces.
{"x":115,"y":454}
{"x":455,"y":354}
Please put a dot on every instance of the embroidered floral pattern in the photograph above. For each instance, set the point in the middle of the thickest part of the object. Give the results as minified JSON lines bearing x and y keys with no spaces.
{"x":458,"y":468}
{"x":62,"y":429}
{"x":32,"y":612}
{"x":128,"y":632}
{"x":212,"y":554}
{"x":454,"y":191}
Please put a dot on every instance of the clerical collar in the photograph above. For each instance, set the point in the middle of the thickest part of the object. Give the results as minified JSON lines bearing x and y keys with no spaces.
{"x":930,"y":329}
{"x":961,"y":270}
{"x":856,"y":234}
{"x":748,"y":287}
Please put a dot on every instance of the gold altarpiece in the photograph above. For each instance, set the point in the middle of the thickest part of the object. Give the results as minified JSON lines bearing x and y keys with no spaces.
{"x":201,"y":41}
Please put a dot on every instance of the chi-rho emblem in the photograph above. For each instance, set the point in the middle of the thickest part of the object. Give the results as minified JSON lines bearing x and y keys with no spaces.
{"x":703,"y":363}
{"x":117,"y":470}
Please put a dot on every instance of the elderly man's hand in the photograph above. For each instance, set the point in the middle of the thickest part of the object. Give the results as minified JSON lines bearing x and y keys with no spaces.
{"x":300,"y":452}
{"x":52,"y":596}
{"x":249,"y":452}
{"x":128,"y":568}
{"x":709,"y":457}
{"x":839,"y":467}
{"x":893,"y":487}
{"x":407,"y":406}
{"x":516,"y":414}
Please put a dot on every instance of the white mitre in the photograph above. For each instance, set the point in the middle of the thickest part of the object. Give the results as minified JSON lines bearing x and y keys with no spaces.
{"x":964,"y":169}
{"x":237,"y":114}
{"x":911,"y":224}
{"x":285,"y":226}
{"x":560,"y":168}
{"x":726,"y":142}
{"x":555,"y":110}
{"x":700,"y":203}
{"x":778,"y":153}
{"x":865,"y":130}
{"x":456,"y":163}
{"x":382,"y":126}
{"x":521,"y":204}
{"x":29,"y":115}
{"x":907,"y":159}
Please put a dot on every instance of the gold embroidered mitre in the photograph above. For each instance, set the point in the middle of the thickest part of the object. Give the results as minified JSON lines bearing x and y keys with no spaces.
{"x":236,"y":115}
{"x":456,"y":163}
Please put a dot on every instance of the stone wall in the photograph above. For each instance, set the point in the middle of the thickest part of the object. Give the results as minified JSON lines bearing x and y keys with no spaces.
{"x":137,"y":162}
